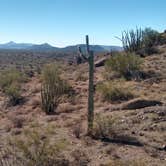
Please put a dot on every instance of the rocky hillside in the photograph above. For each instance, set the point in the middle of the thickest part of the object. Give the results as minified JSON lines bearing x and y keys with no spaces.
{"x":127,"y":132}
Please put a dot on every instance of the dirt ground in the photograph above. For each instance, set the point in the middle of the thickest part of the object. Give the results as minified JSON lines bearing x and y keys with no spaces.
{"x":146,"y":126}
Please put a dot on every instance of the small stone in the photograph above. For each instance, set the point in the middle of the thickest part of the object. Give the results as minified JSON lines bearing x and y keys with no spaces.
{"x":141,"y":134}
{"x":145,"y":129}
{"x":164,"y":147}
{"x":161,"y":114}
{"x":133,"y":132}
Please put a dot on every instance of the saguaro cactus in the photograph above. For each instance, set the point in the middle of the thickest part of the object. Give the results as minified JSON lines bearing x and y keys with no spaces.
{"x":90,"y":59}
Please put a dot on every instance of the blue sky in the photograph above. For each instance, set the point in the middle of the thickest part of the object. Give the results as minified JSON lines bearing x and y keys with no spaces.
{"x":66,"y":22}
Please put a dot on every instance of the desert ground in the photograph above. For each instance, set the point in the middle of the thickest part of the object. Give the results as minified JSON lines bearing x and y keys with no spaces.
{"x":136,"y":126}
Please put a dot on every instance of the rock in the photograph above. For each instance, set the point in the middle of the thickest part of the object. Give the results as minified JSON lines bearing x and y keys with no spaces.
{"x":100,"y":62}
{"x":133,"y":132}
{"x":161,"y":113}
{"x":140,"y":103}
{"x":141,"y":134}
{"x":164,"y":147}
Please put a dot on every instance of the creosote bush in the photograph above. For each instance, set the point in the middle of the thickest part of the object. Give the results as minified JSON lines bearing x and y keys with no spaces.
{"x":53,"y":87}
{"x":10,"y":83}
{"x":114,"y":91}
{"x":126,"y":65}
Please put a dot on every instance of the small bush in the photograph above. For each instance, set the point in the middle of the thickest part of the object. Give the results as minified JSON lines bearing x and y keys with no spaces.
{"x":150,"y":37}
{"x":37,"y":149}
{"x":114,"y":91}
{"x":53,"y":87}
{"x":10,"y":83}
{"x":126,"y":65}
{"x":104,"y":126}
{"x":141,"y":41}
{"x":13,"y":93}
{"x":9,"y":77}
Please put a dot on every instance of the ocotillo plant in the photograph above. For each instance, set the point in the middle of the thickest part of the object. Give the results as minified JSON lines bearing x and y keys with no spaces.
{"x":90,"y":59}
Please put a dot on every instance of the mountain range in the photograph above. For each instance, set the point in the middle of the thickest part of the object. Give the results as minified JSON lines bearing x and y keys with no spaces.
{"x":47,"y":47}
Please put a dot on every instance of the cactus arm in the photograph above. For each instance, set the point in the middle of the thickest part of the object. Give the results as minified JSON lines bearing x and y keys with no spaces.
{"x":81,"y":54}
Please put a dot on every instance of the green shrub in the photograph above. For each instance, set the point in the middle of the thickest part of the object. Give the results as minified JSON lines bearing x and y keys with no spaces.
{"x":13,"y":92}
{"x":53,"y":87}
{"x":10,"y":83}
{"x":125,"y":65}
{"x":114,"y":91}
{"x":9,"y":77}
{"x":141,"y":41}
{"x":150,"y":37}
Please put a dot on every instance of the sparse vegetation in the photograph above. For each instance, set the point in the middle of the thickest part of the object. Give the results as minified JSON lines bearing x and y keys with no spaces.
{"x":10,"y":83}
{"x":104,"y":126}
{"x":140,"y":41}
{"x":125,"y":65}
{"x":37,"y":149}
{"x":132,"y":40}
{"x":53,"y":87}
{"x":125,"y":131}
{"x":114,"y":91}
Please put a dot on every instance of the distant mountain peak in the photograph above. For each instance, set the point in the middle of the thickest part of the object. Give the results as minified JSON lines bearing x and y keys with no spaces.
{"x":11,"y":42}
{"x":48,"y":47}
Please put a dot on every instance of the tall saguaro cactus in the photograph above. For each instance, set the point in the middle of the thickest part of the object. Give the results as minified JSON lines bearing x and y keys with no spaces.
{"x":89,"y":57}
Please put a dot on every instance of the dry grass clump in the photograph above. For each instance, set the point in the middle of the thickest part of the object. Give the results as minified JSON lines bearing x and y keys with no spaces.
{"x":80,"y":158}
{"x":114,"y":91}
{"x":36,"y":149}
{"x":80,"y":76}
{"x":104,"y":126}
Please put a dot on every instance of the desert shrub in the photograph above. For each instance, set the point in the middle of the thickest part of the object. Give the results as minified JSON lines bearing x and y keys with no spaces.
{"x":13,"y":93}
{"x":162,"y":38}
{"x":141,"y":41}
{"x":104,"y":126}
{"x":126,"y":65}
{"x":114,"y":91}
{"x":10,"y":83}
{"x":53,"y":87}
{"x":9,"y":77}
{"x":37,"y":150}
{"x":132,"y":40}
{"x":150,"y":37}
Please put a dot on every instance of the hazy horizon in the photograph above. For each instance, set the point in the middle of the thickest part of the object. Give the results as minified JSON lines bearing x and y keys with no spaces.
{"x":65,"y":22}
